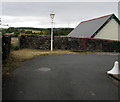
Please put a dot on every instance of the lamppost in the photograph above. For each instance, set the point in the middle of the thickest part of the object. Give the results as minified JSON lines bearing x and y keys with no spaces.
{"x":52,"y":15}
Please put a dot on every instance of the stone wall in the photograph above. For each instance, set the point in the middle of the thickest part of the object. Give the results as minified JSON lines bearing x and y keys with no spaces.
{"x":6,"y":45}
{"x":69,"y":43}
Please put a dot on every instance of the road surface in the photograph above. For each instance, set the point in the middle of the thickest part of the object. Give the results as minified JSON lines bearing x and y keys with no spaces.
{"x":62,"y":77}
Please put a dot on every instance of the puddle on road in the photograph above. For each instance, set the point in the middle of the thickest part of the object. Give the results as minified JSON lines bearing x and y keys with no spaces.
{"x":44,"y":69}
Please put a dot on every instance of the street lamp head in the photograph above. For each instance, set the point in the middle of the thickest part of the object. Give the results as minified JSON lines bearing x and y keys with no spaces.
{"x":52,"y":15}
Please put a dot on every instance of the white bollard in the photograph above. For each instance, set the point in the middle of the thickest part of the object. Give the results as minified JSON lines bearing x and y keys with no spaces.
{"x":115,"y":70}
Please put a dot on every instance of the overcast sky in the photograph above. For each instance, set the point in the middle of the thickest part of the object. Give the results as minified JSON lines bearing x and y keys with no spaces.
{"x":67,"y":14}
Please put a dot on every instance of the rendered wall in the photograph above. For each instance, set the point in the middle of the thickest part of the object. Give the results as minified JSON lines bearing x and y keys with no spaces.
{"x":109,"y":31}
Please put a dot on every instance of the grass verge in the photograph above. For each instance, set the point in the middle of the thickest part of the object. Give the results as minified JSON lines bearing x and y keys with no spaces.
{"x":18,"y":56}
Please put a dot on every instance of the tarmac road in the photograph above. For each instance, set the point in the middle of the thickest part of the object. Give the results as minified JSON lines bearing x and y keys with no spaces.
{"x":62,"y":77}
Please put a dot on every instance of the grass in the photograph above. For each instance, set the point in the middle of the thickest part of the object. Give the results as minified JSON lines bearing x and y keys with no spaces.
{"x":18,"y":56}
{"x":14,"y":40}
{"x":14,"y":43}
{"x":25,"y":54}
{"x":33,"y":31}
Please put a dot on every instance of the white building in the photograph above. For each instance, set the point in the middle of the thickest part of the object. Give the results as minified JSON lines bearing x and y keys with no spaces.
{"x":105,"y":27}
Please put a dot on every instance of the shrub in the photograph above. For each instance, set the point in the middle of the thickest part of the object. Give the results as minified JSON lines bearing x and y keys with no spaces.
{"x":15,"y":47}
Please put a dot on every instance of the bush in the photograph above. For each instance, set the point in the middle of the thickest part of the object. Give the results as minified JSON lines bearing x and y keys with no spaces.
{"x":15,"y":47}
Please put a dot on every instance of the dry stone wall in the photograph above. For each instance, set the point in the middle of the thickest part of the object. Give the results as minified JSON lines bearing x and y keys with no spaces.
{"x":6,"y":45}
{"x":69,"y":43}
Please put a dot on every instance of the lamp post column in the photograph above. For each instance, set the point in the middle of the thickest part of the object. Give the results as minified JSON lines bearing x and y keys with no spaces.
{"x":52,"y":35}
{"x":52,"y":18}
